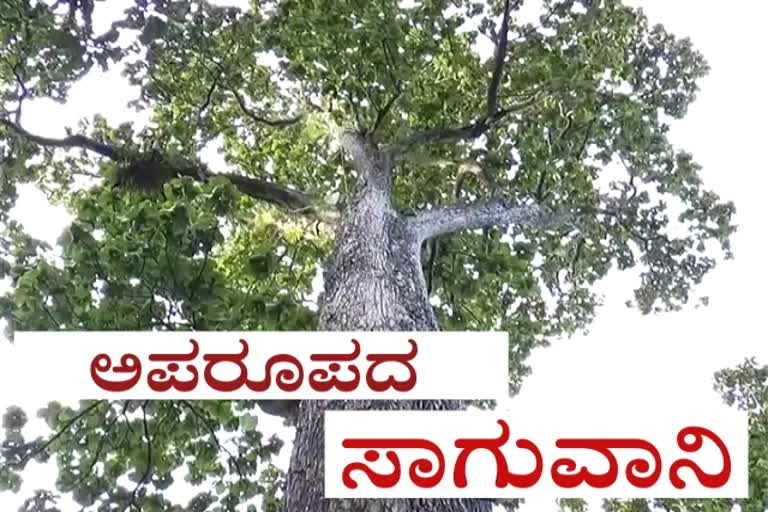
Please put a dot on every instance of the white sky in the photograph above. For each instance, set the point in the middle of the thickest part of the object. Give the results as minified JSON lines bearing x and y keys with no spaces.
{"x":677,"y":352}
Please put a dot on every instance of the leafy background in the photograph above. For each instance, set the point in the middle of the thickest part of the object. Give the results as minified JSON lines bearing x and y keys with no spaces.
{"x":718,"y":336}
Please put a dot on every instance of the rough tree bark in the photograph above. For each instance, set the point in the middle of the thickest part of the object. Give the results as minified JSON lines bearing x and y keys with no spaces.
{"x":374,"y":283}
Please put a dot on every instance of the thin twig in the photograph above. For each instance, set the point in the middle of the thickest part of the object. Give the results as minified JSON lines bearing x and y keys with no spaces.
{"x":40,"y":449}
{"x":275,"y":123}
{"x":234,"y":461}
{"x":144,"y":477}
{"x":102,"y":439}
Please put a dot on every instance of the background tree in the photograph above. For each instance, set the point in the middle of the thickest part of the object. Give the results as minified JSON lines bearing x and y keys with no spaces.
{"x":745,"y":387}
{"x":367,"y":139}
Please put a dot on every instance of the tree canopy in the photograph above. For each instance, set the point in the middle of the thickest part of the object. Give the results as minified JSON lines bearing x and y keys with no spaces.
{"x":570,"y":113}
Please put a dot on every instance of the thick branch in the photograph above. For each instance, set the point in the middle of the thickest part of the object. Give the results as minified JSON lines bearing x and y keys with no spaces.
{"x":382,"y":114}
{"x":73,"y":141}
{"x":498,"y":65}
{"x":468,"y":132}
{"x":437,"y":136}
{"x":491,"y":114}
{"x":431,"y":223}
{"x":293,"y":200}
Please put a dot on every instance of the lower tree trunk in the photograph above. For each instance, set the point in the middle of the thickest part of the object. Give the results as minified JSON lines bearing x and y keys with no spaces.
{"x":375,"y":283}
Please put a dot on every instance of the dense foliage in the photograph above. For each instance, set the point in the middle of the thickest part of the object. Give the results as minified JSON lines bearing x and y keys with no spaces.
{"x":165,"y":239}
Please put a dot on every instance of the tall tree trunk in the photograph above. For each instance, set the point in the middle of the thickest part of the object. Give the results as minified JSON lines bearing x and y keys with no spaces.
{"x":375,"y":283}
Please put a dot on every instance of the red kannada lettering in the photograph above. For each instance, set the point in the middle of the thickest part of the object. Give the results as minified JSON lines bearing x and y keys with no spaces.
{"x":641,"y":472}
{"x":423,"y":472}
{"x":287,"y":379}
{"x":390,"y":381}
{"x":503,"y":476}
{"x":159,"y":380}
{"x":320,"y":379}
{"x":707,"y":480}
{"x":237,"y":359}
{"x":129,"y":363}
{"x":385,"y":481}
{"x":634,"y":472}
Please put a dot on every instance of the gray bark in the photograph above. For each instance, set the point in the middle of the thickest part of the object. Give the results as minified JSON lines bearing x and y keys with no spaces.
{"x":499,"y":212}
{"x":374,"y":283}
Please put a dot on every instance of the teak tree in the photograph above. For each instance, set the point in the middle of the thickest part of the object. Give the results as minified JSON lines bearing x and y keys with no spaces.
{"x":371,"y":140}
